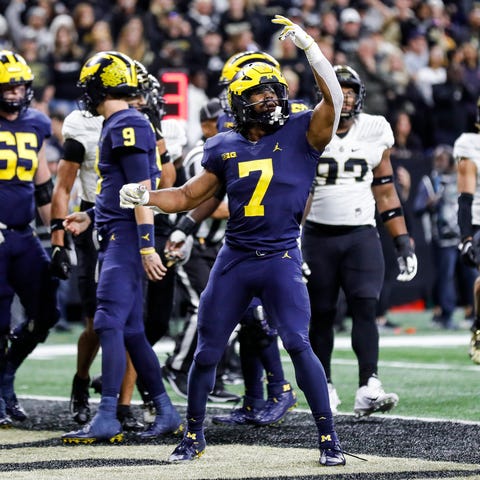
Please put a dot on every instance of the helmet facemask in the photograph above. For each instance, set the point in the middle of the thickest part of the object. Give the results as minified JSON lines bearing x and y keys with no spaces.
{"x":258,"y":78}
{"x":14,"y":71}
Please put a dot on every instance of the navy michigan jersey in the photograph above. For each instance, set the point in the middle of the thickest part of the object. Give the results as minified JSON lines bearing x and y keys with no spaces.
{"x":20,"y":142}
{"x":126,"y":131}
{"x":267,"y":183}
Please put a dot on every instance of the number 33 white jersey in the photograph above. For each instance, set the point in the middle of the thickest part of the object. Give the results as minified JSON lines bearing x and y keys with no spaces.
{"x":467,"y":145}
{"x":343,"y":193}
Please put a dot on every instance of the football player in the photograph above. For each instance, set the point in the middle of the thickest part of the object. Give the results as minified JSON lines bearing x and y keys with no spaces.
{"x":267,"y":165}
{"x":466,"y":151}
{"x":81,"y":132}
{"x":25,"y":184}
{"x":341,"y":244}
{"x":127,"y":150}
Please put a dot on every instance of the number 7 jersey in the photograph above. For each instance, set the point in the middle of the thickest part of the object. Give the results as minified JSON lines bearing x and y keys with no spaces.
{"x":343,"y":193}
{"x":20,"y":142}
{"x":267,"y":183}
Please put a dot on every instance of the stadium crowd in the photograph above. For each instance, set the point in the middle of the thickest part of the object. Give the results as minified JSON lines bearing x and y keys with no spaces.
{"x":418,"y":62}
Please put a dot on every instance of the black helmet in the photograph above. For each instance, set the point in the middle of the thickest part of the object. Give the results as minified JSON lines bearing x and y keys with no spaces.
{"x":348,"y":77}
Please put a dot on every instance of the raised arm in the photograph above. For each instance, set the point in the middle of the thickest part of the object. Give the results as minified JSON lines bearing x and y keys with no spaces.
{"x":326,"y":114}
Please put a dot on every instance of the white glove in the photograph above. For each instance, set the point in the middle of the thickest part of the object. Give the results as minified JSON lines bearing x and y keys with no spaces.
{"x":175,"y":136}
{"x":408,"y":267}
{"x":299,"y":36}
{"x":133,"y":195}
{"x":181,"y":255}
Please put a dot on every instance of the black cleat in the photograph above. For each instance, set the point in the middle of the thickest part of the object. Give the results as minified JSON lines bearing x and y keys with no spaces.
{"x":178,"y":380}
{"x":127,"y":419}
{"x":5,"y":420}
{"x":238,"y":416}
{"x":79,"y":406}
{"x":96,"y":384}
{"x":14,"y":409}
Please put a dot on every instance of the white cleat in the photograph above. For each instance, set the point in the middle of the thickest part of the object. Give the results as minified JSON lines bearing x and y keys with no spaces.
{"x":334,"y":398}
{"x":372,"y":398}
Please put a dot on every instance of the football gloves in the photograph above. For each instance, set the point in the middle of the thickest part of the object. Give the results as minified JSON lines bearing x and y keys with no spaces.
{"x":132,"y":195}
{"x":299,"y":36}
{"x":406,"y":258}
{"x":60,"y":264}
{"x":467,"y":253}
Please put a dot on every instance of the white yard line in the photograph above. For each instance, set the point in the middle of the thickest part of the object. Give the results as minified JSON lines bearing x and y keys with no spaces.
{"x":341,"y":343}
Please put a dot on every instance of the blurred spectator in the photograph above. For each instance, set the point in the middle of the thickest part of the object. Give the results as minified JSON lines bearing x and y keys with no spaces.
{"x":121,"y":13}
{"x":349,"y":33}
{"x":30,"y":51}
{"x":209,"y":56}
{"x":101,"y":38}
{"x":83,"y":15}
{"x":329,"y":24}
{"x":133,"y":42}
{"x":36,"y":22}
{"x":415,"y":52}
{"x":64,"y":65}
{"x":452,"y":99}
{"x":234,"y":20}
{"x":202,"y":17}
{"x":5,"y":40}
{"x":433,"y":73}
{"x":436,"y":203}
{"x":377,"y":82}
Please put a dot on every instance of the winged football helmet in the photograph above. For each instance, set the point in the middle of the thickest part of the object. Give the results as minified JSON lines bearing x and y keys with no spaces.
{"x":234,"y":64}
{"x":255,"y":78}
{"x":107,"y":73}
{"x":348,"y":77}
{"x":15,"y":71}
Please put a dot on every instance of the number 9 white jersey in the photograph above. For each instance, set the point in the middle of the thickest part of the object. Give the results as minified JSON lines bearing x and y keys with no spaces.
{"x":343,"y":193}
{"x":467,"y":145}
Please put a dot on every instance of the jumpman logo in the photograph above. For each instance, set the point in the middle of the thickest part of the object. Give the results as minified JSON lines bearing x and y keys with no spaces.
{"x":277,"y":148}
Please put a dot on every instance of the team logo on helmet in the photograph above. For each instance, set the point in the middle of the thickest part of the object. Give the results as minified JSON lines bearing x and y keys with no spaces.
{"x":234,"y":64}
{"x":107,"y":73}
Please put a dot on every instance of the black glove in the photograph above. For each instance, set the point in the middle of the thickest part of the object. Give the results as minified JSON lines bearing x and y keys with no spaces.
{"x":60,"y":265}
{"x":467,"y":253}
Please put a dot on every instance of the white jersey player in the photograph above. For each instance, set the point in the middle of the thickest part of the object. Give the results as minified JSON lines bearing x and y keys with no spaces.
{"x":341,"y":244}
{"x":466,"y":151}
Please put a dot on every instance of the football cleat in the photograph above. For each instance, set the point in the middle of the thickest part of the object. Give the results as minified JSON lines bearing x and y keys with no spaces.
{"x":178,"y":380}
{"x":474,"y":350}
{"x":149,"y":412}
{"x":331,"y":453}
{"x":238,"y":416}
{"x":189,"y":448}
{"x":372,"y":398}
{"x":220,"y":395}
{"x":5,"y":420}
{"x":79,"y":406}
{"x":14,"y":409}
{"x":98,"y":430}
{"x":126,"y":417}
{"x":96,"y":384}
{"x":167,"y":421}
{"x":334,"y":398}
{"x":276,"y":408}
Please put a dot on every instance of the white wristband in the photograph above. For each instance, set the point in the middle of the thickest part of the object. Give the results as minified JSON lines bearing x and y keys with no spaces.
{"x":325,"y":70}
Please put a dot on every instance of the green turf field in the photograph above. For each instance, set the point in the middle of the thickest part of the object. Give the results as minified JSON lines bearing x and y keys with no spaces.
{"x":431,"y":381}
